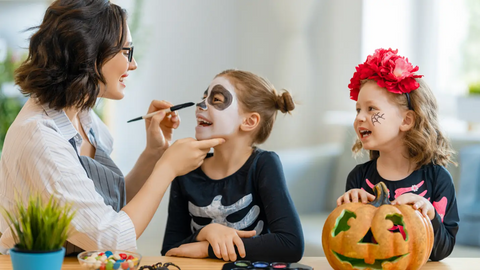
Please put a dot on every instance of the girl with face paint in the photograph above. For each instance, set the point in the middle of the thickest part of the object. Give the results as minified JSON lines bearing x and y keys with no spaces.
{"x":397,"y":123}
{"x":239,"y":191}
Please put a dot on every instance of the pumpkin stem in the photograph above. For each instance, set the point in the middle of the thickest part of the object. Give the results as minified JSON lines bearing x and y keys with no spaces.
{"x":381,"y":195}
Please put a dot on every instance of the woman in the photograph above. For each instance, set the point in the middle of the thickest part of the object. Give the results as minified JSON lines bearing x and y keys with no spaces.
{"x":58,"y":146}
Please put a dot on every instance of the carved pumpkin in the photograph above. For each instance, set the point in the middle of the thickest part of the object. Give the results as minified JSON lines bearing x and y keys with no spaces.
{"x":377,"y":235}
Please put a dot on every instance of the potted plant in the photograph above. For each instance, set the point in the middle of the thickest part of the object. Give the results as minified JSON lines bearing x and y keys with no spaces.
{"x":39,"y":230}
{"x":468,"y":106}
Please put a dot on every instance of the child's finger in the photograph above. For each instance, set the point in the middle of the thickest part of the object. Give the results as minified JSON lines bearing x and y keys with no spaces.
{"x":240,"y":247}
{"x":363,"y":196}
{"x":232,"y":256}
{"x":418,"y":204}
{"x":172,"y":252}
{"x":370,"y":197}
{"x":354,"y":195}
{"x":224,"y":251}
{"x":339,"y":200}
{"x":216,"y":250}
{"x":246,"y":234}
{"x":425,"y":211}
{"x":346,"y":198}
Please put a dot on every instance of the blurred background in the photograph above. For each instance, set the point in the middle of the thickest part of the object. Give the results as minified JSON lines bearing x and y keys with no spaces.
{"x":311,"y":48}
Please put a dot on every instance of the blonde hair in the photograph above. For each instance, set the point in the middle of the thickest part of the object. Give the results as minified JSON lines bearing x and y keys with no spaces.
{"x":256,"y":94}
{"x":424,"y":141}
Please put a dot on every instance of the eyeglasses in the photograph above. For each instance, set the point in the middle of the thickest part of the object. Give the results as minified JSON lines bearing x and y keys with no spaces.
{"x":159,"y":266}
{"x":130,"y":53}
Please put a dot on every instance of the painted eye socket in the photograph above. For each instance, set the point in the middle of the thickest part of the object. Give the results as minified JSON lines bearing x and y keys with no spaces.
{"x":218,"y":98}
{"x":341,"y":224}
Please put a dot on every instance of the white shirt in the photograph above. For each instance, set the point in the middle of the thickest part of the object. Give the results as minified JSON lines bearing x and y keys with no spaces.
{"x":38,"y":158}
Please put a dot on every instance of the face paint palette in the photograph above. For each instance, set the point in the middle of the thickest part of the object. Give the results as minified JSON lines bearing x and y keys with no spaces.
{"x":258,"y":265}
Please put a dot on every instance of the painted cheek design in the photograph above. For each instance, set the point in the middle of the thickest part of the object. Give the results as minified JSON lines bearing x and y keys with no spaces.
{"x":227,"y":97}
{"x":376,"y":118}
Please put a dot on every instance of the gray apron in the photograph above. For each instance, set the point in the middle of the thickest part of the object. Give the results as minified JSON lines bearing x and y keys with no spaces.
{"x":108,"y":180}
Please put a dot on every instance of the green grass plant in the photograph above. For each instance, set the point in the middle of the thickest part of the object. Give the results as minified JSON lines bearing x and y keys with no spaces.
{"x":474,"y":88}
{"x":39,"y":226}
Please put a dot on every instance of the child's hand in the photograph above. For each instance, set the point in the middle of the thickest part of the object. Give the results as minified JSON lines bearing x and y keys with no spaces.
{"x":222,"y":239}
{"x":355,"y":195}
{"x":196,"y":250}
{"x":419,"y":203}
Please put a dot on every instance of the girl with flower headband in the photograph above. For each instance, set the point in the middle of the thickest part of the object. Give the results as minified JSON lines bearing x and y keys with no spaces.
{"x":239,"y":191}
{"x":397,"y":122}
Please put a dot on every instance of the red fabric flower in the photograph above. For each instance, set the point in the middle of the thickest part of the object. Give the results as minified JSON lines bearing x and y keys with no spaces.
{"x":389,"y":70}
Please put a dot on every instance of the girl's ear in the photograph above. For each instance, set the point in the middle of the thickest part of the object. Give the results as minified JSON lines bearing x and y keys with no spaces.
{"x":408,"y":121}
{"x":250,"y":122}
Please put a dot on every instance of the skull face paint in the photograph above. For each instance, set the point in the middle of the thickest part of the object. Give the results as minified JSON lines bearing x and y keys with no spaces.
{"x":218,"y":113}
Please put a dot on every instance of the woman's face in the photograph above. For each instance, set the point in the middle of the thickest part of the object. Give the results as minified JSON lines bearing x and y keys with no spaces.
{"x":115,"y":71}
{"x":218,"y":114}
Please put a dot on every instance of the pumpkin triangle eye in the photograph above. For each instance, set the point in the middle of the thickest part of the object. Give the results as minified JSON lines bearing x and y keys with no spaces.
{"x":342,"y":222}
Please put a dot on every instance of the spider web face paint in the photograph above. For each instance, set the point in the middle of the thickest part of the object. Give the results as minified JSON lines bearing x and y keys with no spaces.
{"x":376,"y":118}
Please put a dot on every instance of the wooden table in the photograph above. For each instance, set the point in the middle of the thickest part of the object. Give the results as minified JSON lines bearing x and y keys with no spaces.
{"x":318,"y":263}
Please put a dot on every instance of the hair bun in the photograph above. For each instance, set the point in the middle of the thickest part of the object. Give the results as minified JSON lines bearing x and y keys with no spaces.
{"x":285,"y":102}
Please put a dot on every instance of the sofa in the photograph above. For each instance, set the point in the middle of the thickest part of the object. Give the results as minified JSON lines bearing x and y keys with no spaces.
{"x":316,"y":178}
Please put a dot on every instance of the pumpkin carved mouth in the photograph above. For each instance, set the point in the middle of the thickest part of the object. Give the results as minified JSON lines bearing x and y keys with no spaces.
{"x":360,"y":263}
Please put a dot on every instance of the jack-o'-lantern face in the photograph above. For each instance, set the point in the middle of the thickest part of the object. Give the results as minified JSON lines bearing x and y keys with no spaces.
{"x":377,"y":235}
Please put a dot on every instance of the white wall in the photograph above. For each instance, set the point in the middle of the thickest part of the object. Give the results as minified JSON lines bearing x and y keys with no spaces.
{"x":15,"y":17}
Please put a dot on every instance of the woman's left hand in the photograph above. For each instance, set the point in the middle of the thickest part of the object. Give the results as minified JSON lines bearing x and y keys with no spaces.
{"x":196,"y":250}
{"x":418,"y":202}
{"x":160,"y":127}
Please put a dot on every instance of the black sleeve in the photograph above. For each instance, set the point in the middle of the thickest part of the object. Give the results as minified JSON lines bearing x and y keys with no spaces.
{"x":445,"y":232}
{"x":285,"y":241}
{"x":178,"y":230}
{"x":354,"y":178}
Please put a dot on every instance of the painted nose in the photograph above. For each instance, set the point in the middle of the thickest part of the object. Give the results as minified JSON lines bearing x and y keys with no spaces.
{"x":202,"y":105}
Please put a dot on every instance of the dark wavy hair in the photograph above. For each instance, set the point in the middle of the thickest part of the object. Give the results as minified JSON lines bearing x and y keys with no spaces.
{"x":66,"y":54}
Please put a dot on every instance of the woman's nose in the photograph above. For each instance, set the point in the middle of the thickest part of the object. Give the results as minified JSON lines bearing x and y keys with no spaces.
{"x":132,"y":65}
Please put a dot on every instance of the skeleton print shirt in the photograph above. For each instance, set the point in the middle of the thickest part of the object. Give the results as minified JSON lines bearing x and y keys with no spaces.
{"x":253,"y":198}
{"x":433,"y":182}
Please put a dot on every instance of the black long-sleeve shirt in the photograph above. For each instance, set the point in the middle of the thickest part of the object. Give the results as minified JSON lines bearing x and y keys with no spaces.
{"x":433,"y":182}
{"x":253,"y":198}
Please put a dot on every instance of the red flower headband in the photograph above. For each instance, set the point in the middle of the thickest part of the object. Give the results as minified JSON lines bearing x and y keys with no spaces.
{"x":389,"y":70}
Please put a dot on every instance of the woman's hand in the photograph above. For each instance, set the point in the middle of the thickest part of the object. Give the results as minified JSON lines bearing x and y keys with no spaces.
{"x":355,"y":195}
{"x":419,"y":203}
{"x":197,"y":250}
{"x":223,"y":238}
{"x":185,"y":155}
{"x":160,"y":127}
